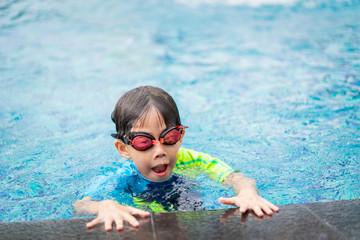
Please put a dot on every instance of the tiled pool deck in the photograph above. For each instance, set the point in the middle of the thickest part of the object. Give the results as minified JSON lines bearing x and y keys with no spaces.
{"x":327,"y":220}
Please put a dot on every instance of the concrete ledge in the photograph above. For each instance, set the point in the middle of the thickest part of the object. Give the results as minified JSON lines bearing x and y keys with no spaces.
{"x":327,"y":220}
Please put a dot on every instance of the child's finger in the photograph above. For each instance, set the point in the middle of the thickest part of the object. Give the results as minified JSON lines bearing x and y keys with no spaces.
{"x":273,"y":207}
{"x":229,"y":201}
{"x":243,"y":207}
{"x":270,"y":205}
{"x":266,"y":209}
{"x":139,"y":212}
{"x":130,"y":219}
{"x":258,"y":211}
{"x":108,"y":224}
{"x":119,"y":224}
{"x":93,"y":222}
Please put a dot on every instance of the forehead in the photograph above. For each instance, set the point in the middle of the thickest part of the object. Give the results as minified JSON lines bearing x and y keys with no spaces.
{"x":149,"y":120}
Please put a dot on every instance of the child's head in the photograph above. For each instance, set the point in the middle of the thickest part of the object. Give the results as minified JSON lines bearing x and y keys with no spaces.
{"x":149,"y":131}
{"x":134,"y":106}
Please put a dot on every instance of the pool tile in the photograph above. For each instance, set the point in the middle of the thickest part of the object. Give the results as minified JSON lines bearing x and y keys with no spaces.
{"x":342,"y":216}
{"x":292,"y":222}
{"x":71,"y":229}
{"x":330,"y":220}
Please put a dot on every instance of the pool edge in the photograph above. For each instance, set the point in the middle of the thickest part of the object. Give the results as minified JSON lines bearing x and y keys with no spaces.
{"x":319,"y":220}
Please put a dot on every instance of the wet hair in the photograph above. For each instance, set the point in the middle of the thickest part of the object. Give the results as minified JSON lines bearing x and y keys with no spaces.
{"x":135,"y":105}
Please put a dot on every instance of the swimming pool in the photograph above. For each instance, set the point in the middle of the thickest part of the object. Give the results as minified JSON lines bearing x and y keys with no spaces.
{"x":271,"y":87}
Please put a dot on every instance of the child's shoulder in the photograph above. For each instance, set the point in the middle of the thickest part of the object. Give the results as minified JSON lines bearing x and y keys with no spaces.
{"x":186,"y":154}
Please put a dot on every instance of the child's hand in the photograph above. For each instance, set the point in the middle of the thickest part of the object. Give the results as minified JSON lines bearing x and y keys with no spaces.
{"x":250,"y":200}
{"x":247,"y":197}
{"x":109,"y":212}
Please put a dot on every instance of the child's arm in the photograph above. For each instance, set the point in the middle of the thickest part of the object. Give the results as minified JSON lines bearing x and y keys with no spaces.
{"x":109,"y":212}
{"x":247,"y":197}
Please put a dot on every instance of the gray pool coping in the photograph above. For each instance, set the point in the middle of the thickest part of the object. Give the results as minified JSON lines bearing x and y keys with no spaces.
{"x":321,"y":220}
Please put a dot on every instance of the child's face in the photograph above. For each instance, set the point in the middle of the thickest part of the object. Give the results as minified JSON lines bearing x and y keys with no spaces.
{"x":156,"y":163}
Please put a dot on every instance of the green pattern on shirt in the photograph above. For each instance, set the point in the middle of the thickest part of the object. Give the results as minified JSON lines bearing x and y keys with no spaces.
{"x":191,"y":163}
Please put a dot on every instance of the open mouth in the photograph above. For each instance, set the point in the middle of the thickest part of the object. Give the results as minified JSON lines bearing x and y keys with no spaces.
{"x":160,"y":170}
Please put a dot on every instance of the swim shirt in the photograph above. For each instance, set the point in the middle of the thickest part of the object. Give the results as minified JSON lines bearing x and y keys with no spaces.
{"x":128,"y":187}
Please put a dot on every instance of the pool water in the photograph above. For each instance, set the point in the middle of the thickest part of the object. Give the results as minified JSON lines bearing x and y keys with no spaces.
{"x":272,"y":87}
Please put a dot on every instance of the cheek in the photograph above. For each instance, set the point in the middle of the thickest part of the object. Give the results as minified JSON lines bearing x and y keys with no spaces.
{"x":141,"y":160}
{"x":174,"y":151}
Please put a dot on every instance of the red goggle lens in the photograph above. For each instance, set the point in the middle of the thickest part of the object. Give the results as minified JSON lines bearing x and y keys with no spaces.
{"x":142,"y":143}
{"x":172,"y":137}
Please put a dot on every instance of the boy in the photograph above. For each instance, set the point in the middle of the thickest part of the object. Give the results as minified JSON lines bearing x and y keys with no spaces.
{"x":149,"y":134}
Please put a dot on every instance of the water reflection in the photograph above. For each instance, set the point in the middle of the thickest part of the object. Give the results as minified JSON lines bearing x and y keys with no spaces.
{"x":235,"y":215}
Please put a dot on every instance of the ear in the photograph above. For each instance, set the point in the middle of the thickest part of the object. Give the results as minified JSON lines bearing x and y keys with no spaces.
{"x":182,"y":136}
{"x":122,"y":149}
{"x":183,"y":133}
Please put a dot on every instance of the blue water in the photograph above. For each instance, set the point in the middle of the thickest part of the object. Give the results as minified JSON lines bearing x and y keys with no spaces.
{"x":271,"y":87}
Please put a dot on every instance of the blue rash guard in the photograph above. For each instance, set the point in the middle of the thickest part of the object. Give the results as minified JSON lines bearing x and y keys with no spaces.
{"x":129,"y":187}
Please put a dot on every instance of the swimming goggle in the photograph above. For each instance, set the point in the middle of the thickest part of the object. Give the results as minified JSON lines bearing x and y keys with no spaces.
{"x":143,"y":141}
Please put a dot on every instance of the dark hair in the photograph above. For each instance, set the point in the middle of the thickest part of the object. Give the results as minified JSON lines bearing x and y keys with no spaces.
{"x":137,"y":103}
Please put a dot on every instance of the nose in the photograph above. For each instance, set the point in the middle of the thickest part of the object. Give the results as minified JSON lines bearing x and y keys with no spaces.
{"x":159,"y":149}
